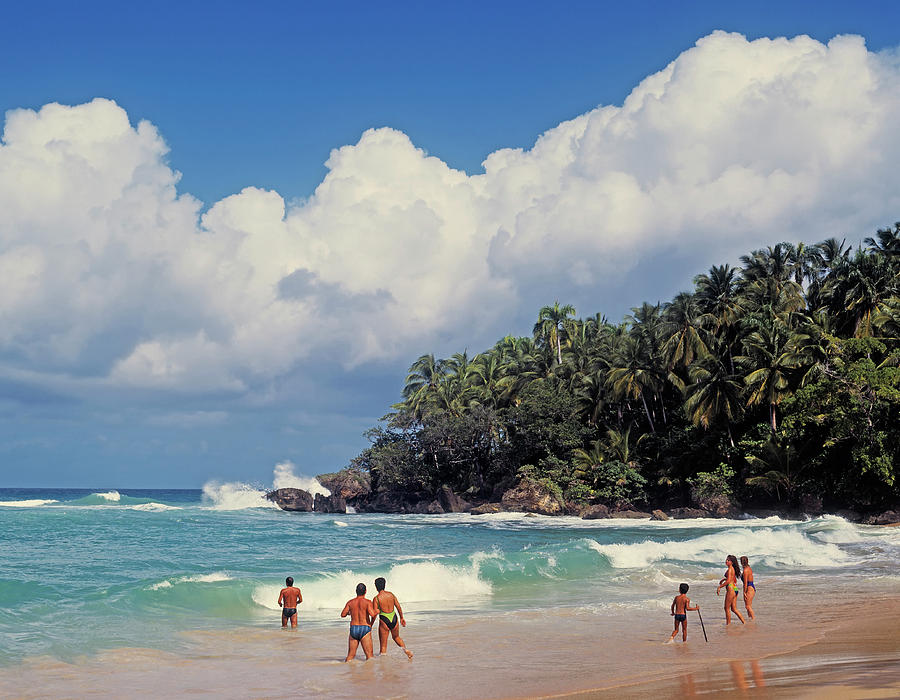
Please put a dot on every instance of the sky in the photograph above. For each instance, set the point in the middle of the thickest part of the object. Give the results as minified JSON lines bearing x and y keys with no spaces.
{"x":227,"y":231}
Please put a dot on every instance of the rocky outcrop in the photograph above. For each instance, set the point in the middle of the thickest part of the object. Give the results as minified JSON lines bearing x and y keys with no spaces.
{"x":487,"y":508}
{"x":427,"y":508}
{"x":349,"y":484}
{"x":330,"y":504}
{"x":292,"y":499}
{"x":658,"y":515}
{"x":450,"y":502}
{"x":596,"y":512}
{"x":888,"y":517}
{"x":531,"y":497}
{"x":685,"y":513}
{"x":717,"y":506}
{"x":630,"y":514}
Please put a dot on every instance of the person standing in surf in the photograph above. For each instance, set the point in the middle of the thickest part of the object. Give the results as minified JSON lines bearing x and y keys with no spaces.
{"x":729,"y":581}
{"x":288,"y":599}
{"x":362,"y":615}
{"x":749,"y":586}
{"x":389,"y":614}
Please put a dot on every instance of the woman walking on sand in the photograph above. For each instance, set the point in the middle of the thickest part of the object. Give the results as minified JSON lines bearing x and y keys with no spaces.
{"x":732,"y":573}
{"x":749,"y":586}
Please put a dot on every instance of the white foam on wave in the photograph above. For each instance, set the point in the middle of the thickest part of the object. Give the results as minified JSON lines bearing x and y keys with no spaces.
{"x":412,"y":582}
{"x":239,"y":496}
{"x":153,"y":507}
{"x":30,"y":503}
{"x":112,"y":496}
{"x":234,"y":496}
{"x":284,"y":478}
{"x":774,"y":548}
{"x":214,"y":577}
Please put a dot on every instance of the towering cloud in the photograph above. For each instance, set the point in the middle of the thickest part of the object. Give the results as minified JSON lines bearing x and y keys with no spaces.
{"x":112,"y":277}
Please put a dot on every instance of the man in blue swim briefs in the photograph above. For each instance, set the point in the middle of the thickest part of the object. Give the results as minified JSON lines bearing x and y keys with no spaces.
{"x":389,"y":614}
{"x":362,"y":615}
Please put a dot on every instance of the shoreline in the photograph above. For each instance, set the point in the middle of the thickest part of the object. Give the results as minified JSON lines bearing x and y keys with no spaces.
{"x":860,"y":658}
{"x":814,"y":643}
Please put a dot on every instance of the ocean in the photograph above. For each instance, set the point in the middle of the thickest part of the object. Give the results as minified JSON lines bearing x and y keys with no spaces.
{"x":87,"y":573}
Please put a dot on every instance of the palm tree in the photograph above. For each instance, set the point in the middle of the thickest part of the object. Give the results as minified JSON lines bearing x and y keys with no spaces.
{"x":714,"y":394}
{"x":859,"y":289}
{"x":782,"y":465}
{"x":768,"y":366}
{"x":683,"y":332}
{"x":422,"y":381}
{"x":551,"y":325}
{"x":630,"y":377}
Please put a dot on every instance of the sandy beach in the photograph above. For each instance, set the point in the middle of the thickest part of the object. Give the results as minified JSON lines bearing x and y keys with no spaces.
{"x":804,"y":644}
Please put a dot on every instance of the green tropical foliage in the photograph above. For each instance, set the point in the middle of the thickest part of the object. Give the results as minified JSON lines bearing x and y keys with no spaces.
{"x":768,"y":382}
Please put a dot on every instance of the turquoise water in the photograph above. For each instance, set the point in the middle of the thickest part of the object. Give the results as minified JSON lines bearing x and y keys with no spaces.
{"x":86,"y":570}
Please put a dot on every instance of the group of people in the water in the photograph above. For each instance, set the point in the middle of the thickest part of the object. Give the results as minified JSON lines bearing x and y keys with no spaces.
{"x":682,"y":604}
{"x":363,"y":612}
{"x":385,"y":607}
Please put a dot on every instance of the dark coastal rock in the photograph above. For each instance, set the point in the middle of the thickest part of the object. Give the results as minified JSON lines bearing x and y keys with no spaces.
{"x":658,"y":515}
{"x":450,"y":502}
{"x":292,"y":499}
{"x":888,"y":517}
{"x":849,"y":515}
{"x":596,"y":512}
{"x":531,"y":497}
{"x":487,"y":508}
{"x":629,"y":514}
{"x":811,"y":504}
{"x":427,"y":508}
{"x":716,"y":506}
{"x":391,"y":502}
{"x":349,"y":484}
{"x":685,"y":513}
{"x":330,"y":504}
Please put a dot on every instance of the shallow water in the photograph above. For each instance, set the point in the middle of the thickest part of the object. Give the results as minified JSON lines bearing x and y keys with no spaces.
{"x":110,"y":577}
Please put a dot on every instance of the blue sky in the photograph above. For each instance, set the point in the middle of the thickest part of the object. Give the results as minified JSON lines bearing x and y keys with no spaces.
{"x":155,"y":359}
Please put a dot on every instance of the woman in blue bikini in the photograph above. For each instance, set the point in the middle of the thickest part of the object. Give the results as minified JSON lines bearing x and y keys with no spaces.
{"x":729,"y":581}
{"x":749,"y":586}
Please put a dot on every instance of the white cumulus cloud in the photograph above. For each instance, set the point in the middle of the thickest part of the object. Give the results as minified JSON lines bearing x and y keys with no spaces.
{"x":111,"y":275}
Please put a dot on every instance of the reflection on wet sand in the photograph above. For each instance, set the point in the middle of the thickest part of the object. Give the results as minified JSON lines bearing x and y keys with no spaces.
{"x":740,"y":678}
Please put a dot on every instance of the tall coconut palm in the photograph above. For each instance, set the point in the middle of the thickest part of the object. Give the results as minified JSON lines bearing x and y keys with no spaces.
{"x":714,"y":394}
{"x":768,"y":367}
{"x":683,"y":332}
{"x":422,"y":381}
{"x":551,"y":326}
{"x":630,"y":377}
{"x":858,"y":291}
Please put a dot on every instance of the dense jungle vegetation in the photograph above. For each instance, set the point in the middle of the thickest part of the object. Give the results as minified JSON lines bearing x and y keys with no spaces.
{"x":769,"y":383}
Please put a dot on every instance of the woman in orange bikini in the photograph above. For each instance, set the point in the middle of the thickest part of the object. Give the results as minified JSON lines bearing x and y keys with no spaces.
{"x":732,"y":573}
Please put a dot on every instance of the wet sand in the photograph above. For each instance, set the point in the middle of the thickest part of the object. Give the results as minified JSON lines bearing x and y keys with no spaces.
{"x":805,"y":644}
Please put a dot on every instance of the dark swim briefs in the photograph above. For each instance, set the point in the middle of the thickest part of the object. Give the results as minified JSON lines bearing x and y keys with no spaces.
{"x":680,"y":618}
{"x":359,"y":631}
{"x":289,"y":612}
{"x":390,"y":619}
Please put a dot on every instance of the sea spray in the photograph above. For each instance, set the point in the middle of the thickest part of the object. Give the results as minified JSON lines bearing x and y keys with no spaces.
{"x":240,"y":496}
{"x":234,"y":496}
{"x":284,"y":478}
